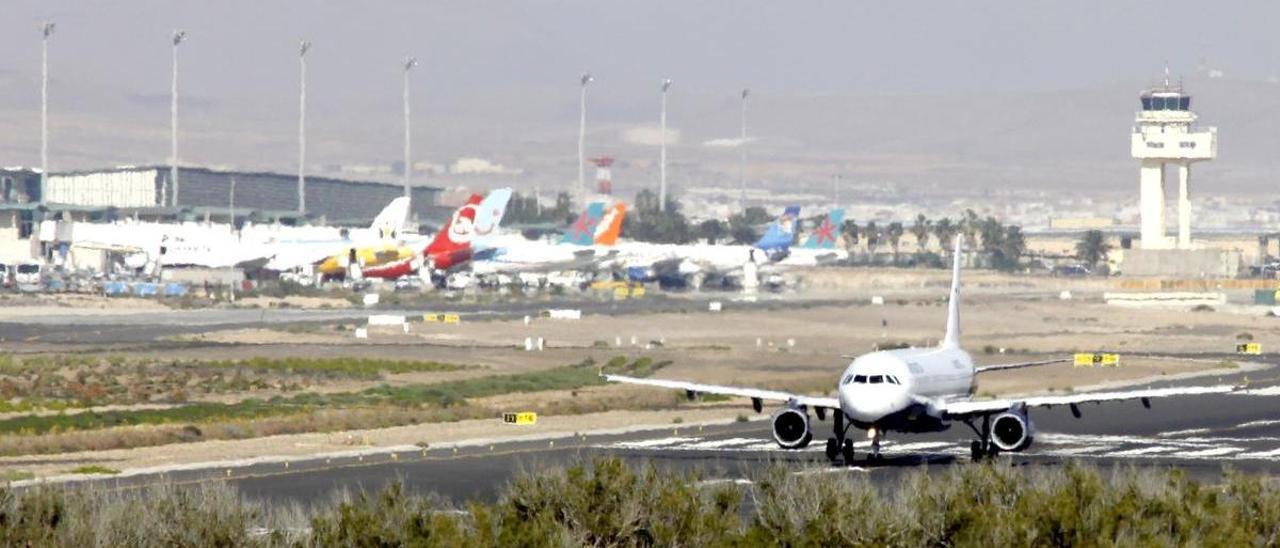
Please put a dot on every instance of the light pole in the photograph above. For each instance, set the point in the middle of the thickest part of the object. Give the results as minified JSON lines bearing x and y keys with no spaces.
{"x":302,"y":126}
{"x":409,"y":63}
{"x":662,"y":181}
{"x":582,"y":140}
{"x":742,"y":150}
{"x":835,"y":189}
{"x":178,"y":37}
{"x":44,"y":109}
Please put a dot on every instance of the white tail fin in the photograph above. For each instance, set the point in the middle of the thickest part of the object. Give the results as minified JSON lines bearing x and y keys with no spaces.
{"x":952,"y":338}
{"x":391,"y":220}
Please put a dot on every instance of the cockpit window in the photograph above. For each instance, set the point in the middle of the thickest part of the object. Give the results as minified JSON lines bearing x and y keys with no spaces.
{"x":860,"y":379}
{"x":877,"y":379}
{"x":891,"y":379}
{"x":847,"y":379}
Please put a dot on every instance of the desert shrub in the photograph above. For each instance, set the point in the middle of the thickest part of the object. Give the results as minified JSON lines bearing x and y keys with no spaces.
{"x":608,"y":503}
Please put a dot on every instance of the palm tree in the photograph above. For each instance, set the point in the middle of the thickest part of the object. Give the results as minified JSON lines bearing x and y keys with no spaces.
{"x":894,"y":232}
{"x":871,"y":234}
{"x":945,"y":231}
{"x":849,"y":229}
{"x":920,"y":229}
{"x":712,"y":230}
{"x":1092,"y":248}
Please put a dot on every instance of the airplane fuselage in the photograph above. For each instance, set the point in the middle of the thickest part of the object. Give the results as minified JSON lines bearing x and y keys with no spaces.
{"x":892,"y":389}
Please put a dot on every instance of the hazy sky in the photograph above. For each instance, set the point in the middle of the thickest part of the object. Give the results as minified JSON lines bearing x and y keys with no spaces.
{"x":493,"y":69}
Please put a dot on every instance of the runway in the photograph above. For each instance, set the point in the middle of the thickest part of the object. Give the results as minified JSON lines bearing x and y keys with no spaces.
{"x":1201,"y":434}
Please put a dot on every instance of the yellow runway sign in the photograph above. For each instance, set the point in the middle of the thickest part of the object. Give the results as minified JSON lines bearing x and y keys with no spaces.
{"x":1100,"y":360}
{"x":520,"y":419}
{"x":1249,"y":348}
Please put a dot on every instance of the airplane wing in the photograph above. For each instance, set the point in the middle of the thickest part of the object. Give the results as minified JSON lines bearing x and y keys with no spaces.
{"x":969,"y":408}
{"x":1017,"y":365}
{"x":754,"y":393}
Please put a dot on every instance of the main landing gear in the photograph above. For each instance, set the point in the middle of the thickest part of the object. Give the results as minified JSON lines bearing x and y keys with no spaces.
{"x":982,"y":448}
{"x":840,"y":448}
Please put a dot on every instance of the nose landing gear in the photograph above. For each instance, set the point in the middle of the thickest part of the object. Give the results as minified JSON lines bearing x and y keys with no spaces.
{"x":876,"y":434}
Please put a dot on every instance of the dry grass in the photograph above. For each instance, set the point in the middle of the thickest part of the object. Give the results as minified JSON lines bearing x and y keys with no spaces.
{"x":607,"y":503}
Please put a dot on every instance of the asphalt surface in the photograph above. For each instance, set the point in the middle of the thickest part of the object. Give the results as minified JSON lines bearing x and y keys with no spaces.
{"x":1201,"y":434}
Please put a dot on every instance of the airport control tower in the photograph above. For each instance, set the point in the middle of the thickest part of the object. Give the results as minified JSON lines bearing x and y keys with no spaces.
{"x":1164,"y":138}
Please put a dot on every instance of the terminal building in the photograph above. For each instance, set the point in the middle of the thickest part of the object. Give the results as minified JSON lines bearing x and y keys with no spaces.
{"x":29,"y":217}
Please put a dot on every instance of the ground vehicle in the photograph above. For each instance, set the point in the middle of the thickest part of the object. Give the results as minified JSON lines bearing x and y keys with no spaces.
{"x":1071,"y":271}
{"x":27,"y":273}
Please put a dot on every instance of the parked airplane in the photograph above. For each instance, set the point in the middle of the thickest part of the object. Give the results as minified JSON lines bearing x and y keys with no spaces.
{"x":820,"y":247}
{"x":697,"y":262}
{"x":378,"y":243}
{"x":149,"y":245}
{"x":453,"y":245}
{"x":586,"y":242}
{"x":914,"y":390}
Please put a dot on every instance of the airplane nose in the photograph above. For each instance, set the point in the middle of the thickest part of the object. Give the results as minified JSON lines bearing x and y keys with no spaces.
{"x":869,"y":405}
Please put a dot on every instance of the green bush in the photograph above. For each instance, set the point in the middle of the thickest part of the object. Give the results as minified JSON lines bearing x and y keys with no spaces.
{"x":607,"y":503}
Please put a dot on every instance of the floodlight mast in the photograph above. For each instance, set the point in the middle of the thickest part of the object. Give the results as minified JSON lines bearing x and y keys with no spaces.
{"x":741,"y":151}
{"x":178,"y":37}
{"x":409,"y":63}
{"x":585,"y":79}
{"x":662,"y":182}
{"x":46,"y":31}
{"x":303,"y":47}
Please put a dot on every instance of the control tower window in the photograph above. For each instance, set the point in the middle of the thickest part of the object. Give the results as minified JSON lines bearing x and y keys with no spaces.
{"x":1146,"y":103}
{"x":1184,"y":103}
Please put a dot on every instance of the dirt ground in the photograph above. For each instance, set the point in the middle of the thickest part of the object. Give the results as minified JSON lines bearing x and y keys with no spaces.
{"x":800,"y":348}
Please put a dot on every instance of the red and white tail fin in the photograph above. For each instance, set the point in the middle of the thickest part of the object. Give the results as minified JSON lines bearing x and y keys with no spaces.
{"x":458,"y":230}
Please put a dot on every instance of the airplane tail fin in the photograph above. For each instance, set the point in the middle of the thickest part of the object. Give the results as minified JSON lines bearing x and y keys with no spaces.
{"x":458,"y":230}
{"x":391,"y":221}
{"x":490,"y":211}
{"x":781,"y":233}
{"x":610,"y":226}
{"x":583,"y":230}
{"x":952,"y":338}
{"x":824,"y":235}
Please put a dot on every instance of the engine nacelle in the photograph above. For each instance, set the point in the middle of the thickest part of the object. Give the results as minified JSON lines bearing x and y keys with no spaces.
{"x":791,"y":428}
{"x":1012,"y":430}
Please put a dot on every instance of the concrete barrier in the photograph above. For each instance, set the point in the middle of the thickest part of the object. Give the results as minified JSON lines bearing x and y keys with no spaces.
{"x":386,"y":320}
{"x":564,"y":314}
{"x":1166,"y":298}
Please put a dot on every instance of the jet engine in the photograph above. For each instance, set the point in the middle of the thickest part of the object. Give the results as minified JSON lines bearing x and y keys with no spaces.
{"x":1012,"y":430}
{"x":791,"y":428}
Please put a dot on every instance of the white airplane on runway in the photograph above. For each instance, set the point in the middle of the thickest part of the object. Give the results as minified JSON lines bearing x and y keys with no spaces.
{"x":915,"y":390}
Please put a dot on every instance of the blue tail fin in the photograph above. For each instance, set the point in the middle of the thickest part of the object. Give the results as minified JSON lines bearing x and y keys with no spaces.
{"x":824,"y":235}
{"x":782,"y":232}
{"x":583,"y":230}
{"x":490,"y":211}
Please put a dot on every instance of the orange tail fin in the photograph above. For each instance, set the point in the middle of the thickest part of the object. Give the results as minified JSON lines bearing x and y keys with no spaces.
{"x":610,"y":226}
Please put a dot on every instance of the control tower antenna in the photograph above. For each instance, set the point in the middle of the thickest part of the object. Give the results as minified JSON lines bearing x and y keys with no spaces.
{"x":1164,"y":135}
